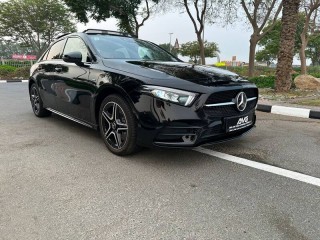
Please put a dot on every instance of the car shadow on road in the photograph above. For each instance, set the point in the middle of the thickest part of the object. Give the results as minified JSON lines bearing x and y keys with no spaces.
{"x":166,"y":157}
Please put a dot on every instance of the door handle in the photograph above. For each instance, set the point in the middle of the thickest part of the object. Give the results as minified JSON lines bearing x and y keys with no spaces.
{"x":58,"y":69}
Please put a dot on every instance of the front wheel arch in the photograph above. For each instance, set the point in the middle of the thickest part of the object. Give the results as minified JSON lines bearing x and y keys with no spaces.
{"x":110,"y":90}
{"x":31,"y":81}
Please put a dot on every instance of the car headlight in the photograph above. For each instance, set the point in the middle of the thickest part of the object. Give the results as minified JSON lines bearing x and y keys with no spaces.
{"x":183,"y":98}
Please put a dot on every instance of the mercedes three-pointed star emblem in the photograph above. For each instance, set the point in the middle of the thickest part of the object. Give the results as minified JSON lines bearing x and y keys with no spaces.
{"x":241,"y":101}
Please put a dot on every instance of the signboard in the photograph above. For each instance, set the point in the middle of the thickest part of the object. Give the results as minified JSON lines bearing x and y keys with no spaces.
{"x":234,"y":58}
{"x":24,"y":57}
{"x":220,"y":64}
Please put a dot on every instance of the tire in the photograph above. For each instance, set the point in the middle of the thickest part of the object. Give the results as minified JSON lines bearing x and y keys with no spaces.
{"x":36,"y":102}
{"x":118,"y":125}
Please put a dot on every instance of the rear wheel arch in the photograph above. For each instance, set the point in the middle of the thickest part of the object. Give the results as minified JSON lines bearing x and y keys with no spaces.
{"x":36,"y":101}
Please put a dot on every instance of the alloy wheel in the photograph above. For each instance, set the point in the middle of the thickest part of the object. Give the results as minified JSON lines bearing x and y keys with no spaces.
{"x":114,"y":123}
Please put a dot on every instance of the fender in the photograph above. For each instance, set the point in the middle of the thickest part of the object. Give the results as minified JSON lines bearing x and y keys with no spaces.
{"x":108,"y":89}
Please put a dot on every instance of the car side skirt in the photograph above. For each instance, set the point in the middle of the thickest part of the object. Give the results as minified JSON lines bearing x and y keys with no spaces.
{"x":72,"y":118}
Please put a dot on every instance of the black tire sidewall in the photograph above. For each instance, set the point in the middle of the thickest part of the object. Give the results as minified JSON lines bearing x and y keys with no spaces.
{"x":42,"y":111}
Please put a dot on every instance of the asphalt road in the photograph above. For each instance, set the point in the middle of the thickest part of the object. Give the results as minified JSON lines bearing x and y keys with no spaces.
{"x":58,"y":181}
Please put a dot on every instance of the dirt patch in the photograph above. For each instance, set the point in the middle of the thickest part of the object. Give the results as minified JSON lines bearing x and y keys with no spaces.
{"x":294,"y":97}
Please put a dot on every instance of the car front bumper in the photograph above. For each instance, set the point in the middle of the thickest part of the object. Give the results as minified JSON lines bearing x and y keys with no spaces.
{"x":163,"y":124}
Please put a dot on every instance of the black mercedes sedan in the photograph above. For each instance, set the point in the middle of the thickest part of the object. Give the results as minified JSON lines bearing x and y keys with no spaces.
{"x":138,"y":94}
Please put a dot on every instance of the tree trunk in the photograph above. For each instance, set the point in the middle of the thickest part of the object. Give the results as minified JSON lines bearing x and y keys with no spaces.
{"x":287,"y":42}
{"x":304,"y":43}
{"x":252,"y":54}
{"x":302,"y":54}
{"x":201,"y":45}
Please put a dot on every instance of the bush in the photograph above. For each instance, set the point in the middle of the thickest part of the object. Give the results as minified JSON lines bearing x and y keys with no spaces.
{"x":22,"y":72}
{"x":315,"y":74}
{"x":6,"y":71}
{"x":263,"y":82}
{"x":10,"y":72}
{"x":269,"y":81}
{"x":18,"y":63}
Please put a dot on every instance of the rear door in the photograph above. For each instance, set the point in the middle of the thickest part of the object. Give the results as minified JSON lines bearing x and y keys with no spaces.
{"x":47,"y":67}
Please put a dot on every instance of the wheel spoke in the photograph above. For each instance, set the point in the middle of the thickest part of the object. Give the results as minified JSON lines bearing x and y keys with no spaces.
{"x":114,"y":112}
{"x":108,"y":136}
{"x":122,"y":129}
{"x":122,"y":125}
{"x":118,"y":140}
{"x":106,"y":113}
{"x":106,"y":117}
{"x":115,"y":138}
{"x":108,"y":132}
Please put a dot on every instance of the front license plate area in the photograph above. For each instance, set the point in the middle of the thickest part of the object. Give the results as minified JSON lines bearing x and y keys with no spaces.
{"x":237,"y":123}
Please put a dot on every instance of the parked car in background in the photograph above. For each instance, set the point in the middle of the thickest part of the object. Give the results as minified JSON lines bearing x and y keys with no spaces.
{"x":137,"y":94}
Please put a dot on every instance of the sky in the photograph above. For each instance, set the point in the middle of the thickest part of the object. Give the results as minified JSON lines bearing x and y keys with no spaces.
{"x":232,"y":40}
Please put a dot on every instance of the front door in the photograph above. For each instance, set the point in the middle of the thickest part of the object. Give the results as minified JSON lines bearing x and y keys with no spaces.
{"x":75,"y":89}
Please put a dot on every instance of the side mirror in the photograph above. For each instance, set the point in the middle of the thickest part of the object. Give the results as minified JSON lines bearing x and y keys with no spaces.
{"x":73,"y":57}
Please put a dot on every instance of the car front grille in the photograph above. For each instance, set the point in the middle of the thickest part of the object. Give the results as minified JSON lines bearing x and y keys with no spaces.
{"x":229,"y":111}
{"x":227,"y":97}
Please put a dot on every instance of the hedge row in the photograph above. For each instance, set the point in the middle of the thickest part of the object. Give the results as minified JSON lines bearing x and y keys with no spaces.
{"x":10,"y":72}
{"x":269,"y":81}
{"x":17,"y":63}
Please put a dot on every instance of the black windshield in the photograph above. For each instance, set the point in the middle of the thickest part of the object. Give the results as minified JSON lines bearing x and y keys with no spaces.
{"x":117,"y":47}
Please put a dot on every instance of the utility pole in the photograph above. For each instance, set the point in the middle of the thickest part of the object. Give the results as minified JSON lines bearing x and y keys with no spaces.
{"x":170,"y":42}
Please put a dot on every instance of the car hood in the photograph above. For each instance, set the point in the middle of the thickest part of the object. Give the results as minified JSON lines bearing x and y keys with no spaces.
{"x":173,"y":73}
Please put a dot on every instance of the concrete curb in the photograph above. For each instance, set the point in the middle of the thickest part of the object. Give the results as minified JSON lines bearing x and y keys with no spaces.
{"x":289,"y":111}
{"x":13,"y":81}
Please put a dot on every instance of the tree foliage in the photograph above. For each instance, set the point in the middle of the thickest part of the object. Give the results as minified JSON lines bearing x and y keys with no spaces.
{"x":198,"y":21}
{"x":202,"y":13}
{"x":258,"y":13}
{"x":8,"y":48}
{"x":167,"y":47}
{"x":270,"y":42}
{"x":313,"y":49}
{"x":34,"y":23}
{"x":128,"y":12}
{"x":192,"y":50}
{"x":310,"y":10}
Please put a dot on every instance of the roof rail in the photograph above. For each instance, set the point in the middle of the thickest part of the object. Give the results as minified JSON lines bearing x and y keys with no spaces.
{"x":108,"y":32}
{"x":62,"y":35}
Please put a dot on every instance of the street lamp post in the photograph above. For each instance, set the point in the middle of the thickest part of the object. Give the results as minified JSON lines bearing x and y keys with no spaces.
{"x":170,"y":42}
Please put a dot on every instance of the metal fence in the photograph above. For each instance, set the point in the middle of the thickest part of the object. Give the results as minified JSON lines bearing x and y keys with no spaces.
{"x":17,"y":63}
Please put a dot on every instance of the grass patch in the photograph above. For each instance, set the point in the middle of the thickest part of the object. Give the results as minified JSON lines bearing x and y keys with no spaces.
{"x":10,"y":72}
{"x":309,"y":102}
{"x":263,"y":82}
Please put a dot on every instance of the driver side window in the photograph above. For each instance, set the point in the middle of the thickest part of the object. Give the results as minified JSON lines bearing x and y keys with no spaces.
{"x":77,"y":45}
